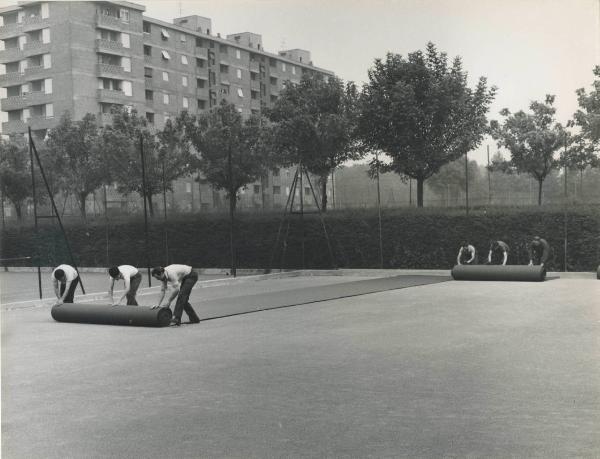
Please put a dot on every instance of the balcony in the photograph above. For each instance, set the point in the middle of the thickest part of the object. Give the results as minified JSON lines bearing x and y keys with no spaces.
{"x":9,"y":30}
{"x":111,"y":22}
{"x":255,"y":104}
{"x":11,"y":55}
{"x":38,"y":98}
{"x":202,"y":93}
{"x":35,"y":70}
{"x":105,"y":118}
{"x":254,"y":66}
{"x":14,"y":127}
{"x":148,"y":82}
{"x":34,"y":23}
{"x":111,"y":95}
{"x":147,"y":59}
{"x":38,"y":46}
{"x":9,"y":78}
{"x":41,"y":122}
{"x":110,"y":46}
{"x":110,"y":70}
{"x":255,"y":84}
{"x":13,"y":103}
{"x":201,"y":53}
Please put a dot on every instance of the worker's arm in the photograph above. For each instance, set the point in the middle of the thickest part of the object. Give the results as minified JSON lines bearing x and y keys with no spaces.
{"x":459,"y":255}
{"x":174,"y":293}
{"x":163,"y":290}
{"x":472,"y":257}
{"x":110,"y":289}
{"x":490,"y":256}
{"x":505,"y":258}
{"x":61,"y":300}
{"x":56,"y":289}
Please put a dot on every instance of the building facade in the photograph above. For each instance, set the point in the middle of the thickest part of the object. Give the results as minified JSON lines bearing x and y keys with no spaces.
{"x":86,"y":57}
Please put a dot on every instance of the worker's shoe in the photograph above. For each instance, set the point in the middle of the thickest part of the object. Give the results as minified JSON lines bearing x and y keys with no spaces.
{"x":176,"y":321}
{"x":194,"y":320}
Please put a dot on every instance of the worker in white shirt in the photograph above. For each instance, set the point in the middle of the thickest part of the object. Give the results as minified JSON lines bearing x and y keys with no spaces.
{"x":182,"y":279}
{"x":132,"y":279}
{"x":67,"y":278}
{"x":467,"y":255}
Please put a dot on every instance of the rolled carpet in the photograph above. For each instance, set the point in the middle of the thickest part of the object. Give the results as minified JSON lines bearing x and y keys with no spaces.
{"x":598,"y":273}
{"x":513,"y":273}
{"x":107,"y":314}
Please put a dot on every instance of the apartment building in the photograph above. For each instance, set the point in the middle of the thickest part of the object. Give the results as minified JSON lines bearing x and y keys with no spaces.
{"x":86,"y":57}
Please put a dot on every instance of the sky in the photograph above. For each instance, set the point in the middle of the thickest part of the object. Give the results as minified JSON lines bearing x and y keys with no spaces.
{"x":527,"y":48}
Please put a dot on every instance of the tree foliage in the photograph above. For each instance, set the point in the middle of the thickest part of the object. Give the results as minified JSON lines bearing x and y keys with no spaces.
{"x":231,"y":150}
{"x":15,"y":173}
{"x":421,"y":112}
{"x":533,"y":139}
{"x":75,"y":158}
{"x":122,"y":143}
{"x":314,"y":123}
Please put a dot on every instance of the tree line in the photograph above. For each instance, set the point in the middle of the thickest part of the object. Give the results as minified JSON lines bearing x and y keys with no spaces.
{"x":418,"y":113}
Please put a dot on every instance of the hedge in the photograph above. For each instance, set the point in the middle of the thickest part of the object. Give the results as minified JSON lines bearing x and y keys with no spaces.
{"x":411,"y":239}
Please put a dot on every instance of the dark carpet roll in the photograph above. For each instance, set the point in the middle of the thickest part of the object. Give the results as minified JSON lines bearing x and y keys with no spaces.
{"x":106,"y":314}
{"x":499,"y":273}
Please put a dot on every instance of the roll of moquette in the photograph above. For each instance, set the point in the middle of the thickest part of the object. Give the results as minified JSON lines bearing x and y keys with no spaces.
{"x":598,"y":273}
{"x":514,"y":273}
{"x":107,"y":314}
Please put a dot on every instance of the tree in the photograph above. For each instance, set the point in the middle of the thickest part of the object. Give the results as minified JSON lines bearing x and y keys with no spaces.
{"x":15,"y":173}
{"x":532,"y":140}
{"x":421,"y":113}
{"x":579,"y":155}
{"x":75,"y":157}
{"x":451,"y":178}
{"x":122,"y":143}
{"x":232,"y":153}
{"x":313,"y":124}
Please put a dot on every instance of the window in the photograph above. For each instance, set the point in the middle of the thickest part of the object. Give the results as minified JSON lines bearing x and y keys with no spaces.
{"x":165,"y":99}
{"x":186,"y":102}
{"x":150,"y":117}
{"x":238,"y":73}
{"x":201,"y":104}
{"x":224,"y":68}
{"x":125,"y":40}
{"x":147,"y":27}
{"x":256,"y":189}
{"x":240,"y":92}
{"x":184,"y":60}
{"x":124,"y":15}
{"x":254,"y":95}
{"x":165,"y":76}
{"x":223,"y":48}
{"x":198,"y":42}
{"x":199,"y":63}
{"x":273,"y":80}
{"x":167,"y":116}
{"x":48,"y":86}
{"x":147,"y":50}
{"x":184,"y":81}
{"x":276,"y":189}
{"x":293,"y":69}
{"x":239,"y":109}
{"x":200,"y":83}
{"x":49,"y":110}
{"x":164,"y":34}
{"x":182,"y":38}
{"x":188,"y":187}
{"x":127,"y":89}
{"x":272,"y":63}
{"x":275,"y":172}
{"x":283,"y":66}
{"x":45,"y":35}
{"x":149,"y":95}
{"x":238,"y":54}
{"x":47,"y":61}
{"x":147,"y":72}
{"x":126,"y":64}
{"x":165,"y":55}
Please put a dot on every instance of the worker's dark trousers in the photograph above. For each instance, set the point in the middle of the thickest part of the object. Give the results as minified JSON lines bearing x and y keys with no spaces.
{"x":71,"y":292}
{"x":187,"y":283}
{"x":134,"y":283}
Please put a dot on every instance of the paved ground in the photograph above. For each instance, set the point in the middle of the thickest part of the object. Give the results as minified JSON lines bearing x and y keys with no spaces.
{"x":454,"y":369}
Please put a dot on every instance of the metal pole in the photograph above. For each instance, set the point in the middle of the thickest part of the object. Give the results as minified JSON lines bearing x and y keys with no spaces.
{"x":2,"y":204}
{"x":165,"y":212}
{"x":39,"y":271}
{"x":565,"y":209}
{"x":410,"y":192}
{"x":489,"y":177}
{"x":106,"y":224}
{"x":144,"y":189}
{"x":302,"y":211}
{"x":467,"y":183}
{"x":379,"y":213}
{"x":231,"y":216}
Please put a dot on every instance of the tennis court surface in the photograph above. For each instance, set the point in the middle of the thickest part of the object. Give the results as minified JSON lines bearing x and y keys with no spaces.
{"x":424,"y":368}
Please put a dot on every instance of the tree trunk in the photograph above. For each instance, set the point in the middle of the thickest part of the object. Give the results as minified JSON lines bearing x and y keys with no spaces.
{"x":18,"y":210}
{"x":540,"y":183}
{"x":420,"y":182}
{"x":232,"y":206}
{"x":81,"y":198}
{"x":323,"y":183}
{"x":150,"y":206}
